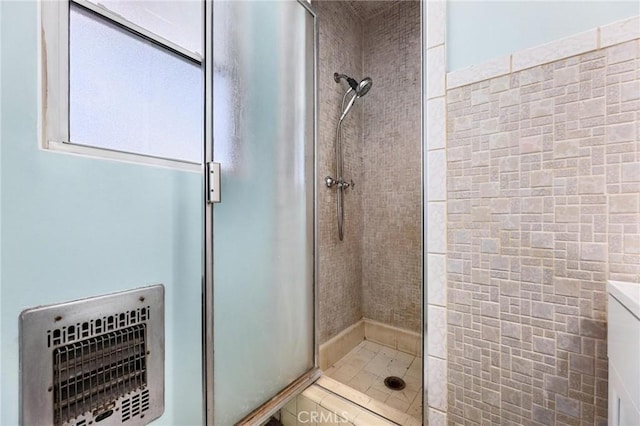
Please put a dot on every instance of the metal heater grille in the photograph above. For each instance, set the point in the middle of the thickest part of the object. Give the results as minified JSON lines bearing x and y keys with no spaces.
{"x":89,"y":375}
{"x":96,"y":361}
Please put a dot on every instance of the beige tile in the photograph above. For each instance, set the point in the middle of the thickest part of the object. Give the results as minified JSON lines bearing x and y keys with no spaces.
{"x":437,"y":418}
{"x":364,"y":353}
{"x":436,"y":18}
{"x":378,"y":364}
{"x":358,"y":362}
{"x":414,"y":385}
{"x":398,"y":369}
{"x":389,"y":352}
{"x":330,"y":371}
{"x":435,"y":72}
{"x":492,"y":68}
{"x":377,"y":394}
{"x":323,"y":356}
{"x":436,"y":123}
{"x":632,"y":244}
{"x":290,"y":407}
{"x":328,"y":417}
{"x":388,"y":412}
{"x":372,"y":346}
{"x":436,"y":331}
{"x":398,"y":403}
{"x":413,"y":422}
{"x":367,"y":419}
{"x":315,"y":394}
{"x":437,"y":379}
{"x":406,"y":394}
{"x":437,"y":235}
{"x":344,"y":391}
{"x":362,"y":381}
{"x":415,"y":410}
{"x":620,"y":31}
{"x":405,"y":357}
{"x":337,"y":347}
{"x":415,"y":369}
{"x":380,"y":333}
{"x":437,"y":175}
{"x":306,"y":405}
{"x":345,"y":409}
{"x":288,"y":419}
{"x":345,"y":373}
{"x":436,"y":279}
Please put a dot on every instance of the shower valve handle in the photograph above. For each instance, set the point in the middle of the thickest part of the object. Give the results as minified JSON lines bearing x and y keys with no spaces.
{"x":329,"y":181}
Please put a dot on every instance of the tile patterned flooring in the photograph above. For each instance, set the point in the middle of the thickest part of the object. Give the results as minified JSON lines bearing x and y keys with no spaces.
{"x":369,"y":363}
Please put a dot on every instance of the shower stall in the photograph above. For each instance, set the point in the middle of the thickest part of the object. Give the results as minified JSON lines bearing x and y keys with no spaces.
{"x":370,"y":142}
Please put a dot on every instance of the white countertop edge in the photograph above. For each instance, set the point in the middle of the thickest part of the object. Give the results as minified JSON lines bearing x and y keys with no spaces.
{"x":628,"y":294}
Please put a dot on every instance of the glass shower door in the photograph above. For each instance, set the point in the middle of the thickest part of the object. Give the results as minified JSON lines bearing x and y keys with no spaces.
{"x":263,"y":229}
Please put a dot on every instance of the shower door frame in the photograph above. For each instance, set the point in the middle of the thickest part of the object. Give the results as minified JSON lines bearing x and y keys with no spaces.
{"x":263,"y":412}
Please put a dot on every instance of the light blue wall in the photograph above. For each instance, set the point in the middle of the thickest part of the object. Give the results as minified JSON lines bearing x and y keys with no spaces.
{"x":75,"y":227}
{"x":481,"y":30}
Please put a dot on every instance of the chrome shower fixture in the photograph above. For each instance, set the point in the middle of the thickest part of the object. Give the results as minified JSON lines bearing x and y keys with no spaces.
{"x":360,"y":89}
{"x":352,"y":83}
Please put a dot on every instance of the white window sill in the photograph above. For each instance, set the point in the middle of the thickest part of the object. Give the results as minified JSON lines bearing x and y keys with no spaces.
{"x":107,"y":154}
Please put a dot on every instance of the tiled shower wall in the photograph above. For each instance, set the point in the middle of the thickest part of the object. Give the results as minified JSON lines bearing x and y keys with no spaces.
{"x":340,"y":262}
{"x":392,"y":255}
{"x":376,"y":271}
{"x":543,"y":189}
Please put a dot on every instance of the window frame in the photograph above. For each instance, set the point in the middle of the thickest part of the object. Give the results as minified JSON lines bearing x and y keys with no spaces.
{"x":54,"y":82}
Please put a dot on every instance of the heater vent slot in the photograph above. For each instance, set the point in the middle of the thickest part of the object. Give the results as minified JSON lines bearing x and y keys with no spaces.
{"x":135,"y":405}
{"x":96,"y":326}
{"x":90,"y":374}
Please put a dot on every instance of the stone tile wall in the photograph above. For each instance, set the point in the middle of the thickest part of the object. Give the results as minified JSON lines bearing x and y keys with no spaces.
{"x":543,"y":188}
{"x":392,"y":158}
{"x":340,"y":262}
{"x":376,"y":272}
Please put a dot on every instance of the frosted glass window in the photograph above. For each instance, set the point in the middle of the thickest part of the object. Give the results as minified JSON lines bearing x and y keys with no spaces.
{"x":179,"y":21}
{"x":128,"y":94}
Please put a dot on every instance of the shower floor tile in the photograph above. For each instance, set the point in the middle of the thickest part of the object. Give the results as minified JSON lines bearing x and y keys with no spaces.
{"x":369,"y":363}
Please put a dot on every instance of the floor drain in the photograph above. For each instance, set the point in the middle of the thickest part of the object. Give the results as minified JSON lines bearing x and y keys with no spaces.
{"x":394,"y":383}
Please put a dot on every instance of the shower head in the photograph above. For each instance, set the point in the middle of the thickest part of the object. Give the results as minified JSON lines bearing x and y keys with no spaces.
{"x":360,"y":89}
{"x":364,"y":86}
